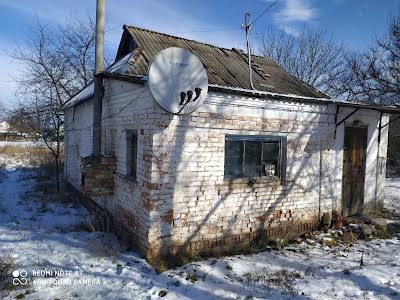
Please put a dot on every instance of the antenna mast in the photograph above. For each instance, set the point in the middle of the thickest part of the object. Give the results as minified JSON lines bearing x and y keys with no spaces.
{"x":248,"y":27}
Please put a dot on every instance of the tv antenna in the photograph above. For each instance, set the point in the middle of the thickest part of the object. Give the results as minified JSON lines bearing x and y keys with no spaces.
{"x":248,"y":28}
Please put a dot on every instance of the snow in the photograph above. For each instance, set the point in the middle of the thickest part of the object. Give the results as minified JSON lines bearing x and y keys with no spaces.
{"x":392,"y":194}
{"x":84,"y":94}
{"x":4,"y":126}
{"x":116,"y":66}
{"x":21,"y":143}
{"x":42,"y":233}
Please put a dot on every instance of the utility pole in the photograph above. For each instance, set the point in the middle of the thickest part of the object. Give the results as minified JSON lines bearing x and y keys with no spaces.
{"x":98,"y":80}
{"x":100,"y":17}
{"x":248,"y":27}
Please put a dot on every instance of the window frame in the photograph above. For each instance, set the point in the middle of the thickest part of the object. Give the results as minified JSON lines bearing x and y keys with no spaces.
{"x":282,"y":140}
{"x":131,"y":154}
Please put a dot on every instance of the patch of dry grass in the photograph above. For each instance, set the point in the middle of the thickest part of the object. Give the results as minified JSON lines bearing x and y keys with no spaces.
{"x":282,"y":279}
{"x":32,"y":155}
{"x":12,"y":150}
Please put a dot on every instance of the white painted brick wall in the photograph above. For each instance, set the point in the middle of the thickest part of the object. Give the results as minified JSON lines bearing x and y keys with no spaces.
{"x":78,"y":140}
{"x":180,"y":192}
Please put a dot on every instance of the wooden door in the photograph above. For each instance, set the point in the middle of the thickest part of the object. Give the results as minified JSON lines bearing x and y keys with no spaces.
{"x":354,"y":158}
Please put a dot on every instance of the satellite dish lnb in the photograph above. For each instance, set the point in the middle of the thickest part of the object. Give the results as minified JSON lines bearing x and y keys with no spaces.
{"x":178,"y":80}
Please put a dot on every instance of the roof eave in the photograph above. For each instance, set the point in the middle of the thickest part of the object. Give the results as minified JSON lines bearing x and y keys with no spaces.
{"x":322,"y":101}
{"x":128,"y":78}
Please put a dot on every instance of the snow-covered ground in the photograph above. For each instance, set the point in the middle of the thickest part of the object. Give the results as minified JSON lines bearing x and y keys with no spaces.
{"x":392,"y":194}
{"x":18,"y":143}
{"x":43,"y":234}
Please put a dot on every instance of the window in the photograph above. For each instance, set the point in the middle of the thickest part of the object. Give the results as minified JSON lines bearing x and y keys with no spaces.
{"x":255,"y":156}
{"x":131,"y":153}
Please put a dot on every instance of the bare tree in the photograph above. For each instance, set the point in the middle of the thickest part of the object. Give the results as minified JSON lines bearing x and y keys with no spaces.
{"x":17,"y":120}
{"x":2,"y":111}
{"x":374,"y":75}
{"x":57,"y":62}
{"x":311,"y":56}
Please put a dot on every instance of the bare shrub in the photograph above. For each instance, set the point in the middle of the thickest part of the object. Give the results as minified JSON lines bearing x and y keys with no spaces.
{"x":6,"y":267}
{"x":105,"y":245}
{"x":81,"y":226}
{"x":99,"y":220}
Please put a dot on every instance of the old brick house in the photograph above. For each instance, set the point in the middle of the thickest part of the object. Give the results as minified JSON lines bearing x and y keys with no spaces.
{"x":246,"y":162}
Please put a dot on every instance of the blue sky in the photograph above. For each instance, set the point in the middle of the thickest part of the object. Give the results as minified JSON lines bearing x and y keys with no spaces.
{"x":354,"y":22}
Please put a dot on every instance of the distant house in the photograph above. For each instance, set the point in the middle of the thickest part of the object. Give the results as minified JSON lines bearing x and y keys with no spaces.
{"x":4,"y":127}
{"x":9,"y":134}
{"x":247,"y":164}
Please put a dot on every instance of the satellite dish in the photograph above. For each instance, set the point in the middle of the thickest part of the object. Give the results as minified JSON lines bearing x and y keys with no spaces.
{"x":178,"y":80}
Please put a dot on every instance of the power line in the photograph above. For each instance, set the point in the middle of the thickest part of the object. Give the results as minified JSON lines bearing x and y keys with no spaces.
{"x":263,"y":13}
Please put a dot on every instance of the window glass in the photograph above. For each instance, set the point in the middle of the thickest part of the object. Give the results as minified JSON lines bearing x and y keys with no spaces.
{"x":233,"y":159}
{"x":134,"y":155}
{"x":254,"y":156}
{"x":131,"y":153}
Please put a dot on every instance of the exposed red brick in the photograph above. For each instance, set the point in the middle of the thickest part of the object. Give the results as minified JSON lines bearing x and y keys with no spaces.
{"x":148,"y":204}
{"x":152,"y":186}
{"x":168,"y":217}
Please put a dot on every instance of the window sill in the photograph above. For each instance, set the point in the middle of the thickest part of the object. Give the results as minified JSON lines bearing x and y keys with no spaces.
{"x":264,"y":180}
{"x":131,"y":178}
{"x":127,"y":178}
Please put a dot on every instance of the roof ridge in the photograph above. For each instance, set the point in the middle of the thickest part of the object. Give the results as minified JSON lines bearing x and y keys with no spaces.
{"x":263,"y":66}
{"x":233,"y":49}
{"x":179,"y":37}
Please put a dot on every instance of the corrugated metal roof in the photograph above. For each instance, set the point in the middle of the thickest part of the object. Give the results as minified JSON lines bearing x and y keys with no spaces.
{"x":227,"y":70}
{"x":225,"y":67}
